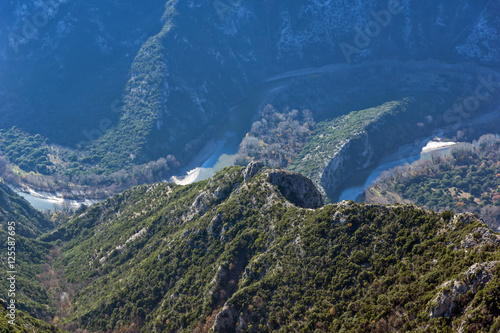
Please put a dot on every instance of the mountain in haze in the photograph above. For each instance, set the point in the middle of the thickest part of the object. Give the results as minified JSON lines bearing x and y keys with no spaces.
{"x":126,"y":83}
{"x":98,"y":97}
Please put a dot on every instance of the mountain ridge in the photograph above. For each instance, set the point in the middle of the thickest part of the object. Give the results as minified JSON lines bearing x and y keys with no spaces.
{"x":236,"y":251}
{"x":182,"y":81}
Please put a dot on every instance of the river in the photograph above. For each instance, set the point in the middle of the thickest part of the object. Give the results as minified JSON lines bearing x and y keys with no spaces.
{"x":214,"y":157}
{"x":42,"y":204}
{"x":217,"y":153}
{"x":221,"y":151}
{"x":50,"y":201}
{"x":353,"y":187}
{"x":406,"y":154}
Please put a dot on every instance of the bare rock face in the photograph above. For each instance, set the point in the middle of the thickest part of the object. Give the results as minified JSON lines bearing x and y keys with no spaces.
{"x":479,"y":238}
{"x":251,"y":170}
{"x":205,"y":200}
{"x":226,"y":320}
{"x":297,"y":189}
{"x":446,"y":301}
{"x":465,"y":218}
{"x":215,"y":224}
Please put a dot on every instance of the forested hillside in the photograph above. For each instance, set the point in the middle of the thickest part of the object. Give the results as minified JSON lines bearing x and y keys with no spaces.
{"x":234,"y":254}
{"x":136,"y":90}
{"x":468,"y":180}
{"x":108,"y":101}
{"x":24,"y":224}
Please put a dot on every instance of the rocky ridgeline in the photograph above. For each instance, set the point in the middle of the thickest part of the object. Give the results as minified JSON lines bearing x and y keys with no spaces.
{"x":251,"y":241}
{"x":474,"y":279}
{"x":298,"y":189}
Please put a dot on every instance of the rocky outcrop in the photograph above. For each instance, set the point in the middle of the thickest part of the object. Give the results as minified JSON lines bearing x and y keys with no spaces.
{"x":465,"y":218}
{"x":480,"y":237}
{"x":205,"y":200}
{"x":251,"y":170}
{"x":215,"y":224}
{"x":296,"y":188}
{"x":226,"y":320}
{"x":445,"y":302}
{"x":356,"y":141}
{"x":356,"y":154}
{"x":476,"y":277}
{"x":330,"y":179}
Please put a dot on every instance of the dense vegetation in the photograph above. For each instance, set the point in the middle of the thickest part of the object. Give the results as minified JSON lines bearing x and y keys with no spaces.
{"x":337,"y":148}
{"x":125,"y":145}
{"x":467,"y":180}
{"x":113,"y":152}
{"x":330,"y":136}
{"x":74,"y":175}
{"x":135,"y":148}
{"x":30,"y":153}
{"x":31,"y":254}
{"x":230,"y":253}
{"x":276,"y":137}
{"x":24,"y":323}
{"x":233,"y":253}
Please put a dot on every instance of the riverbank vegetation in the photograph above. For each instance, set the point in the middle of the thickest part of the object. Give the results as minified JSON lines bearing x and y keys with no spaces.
{"x":468,"y":180}
{"x":170,"y":258}
{"x":31,"y":162}
{"x":277,"y":137}
{"x":29,"y":153}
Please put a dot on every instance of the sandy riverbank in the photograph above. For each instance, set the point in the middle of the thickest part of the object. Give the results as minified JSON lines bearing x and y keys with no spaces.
{"x":436,"y":145}
{"x":45,"y":200}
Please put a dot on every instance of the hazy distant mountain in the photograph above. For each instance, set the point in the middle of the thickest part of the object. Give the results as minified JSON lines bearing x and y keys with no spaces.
{"x":181,"y":69}
{"x":112,"y":94}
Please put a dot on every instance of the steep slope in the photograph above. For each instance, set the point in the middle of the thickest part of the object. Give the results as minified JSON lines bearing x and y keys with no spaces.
{"x":338,"y":148}
{"x":32,"y":223}
{"x":24,"y":323}
{"x":467,"y":180}
{"x":233,"y":254}
{"x":137,"y":88}
{"x":20,"y":224}
{"x":186,"y":73}
{"x":64,"y":63}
